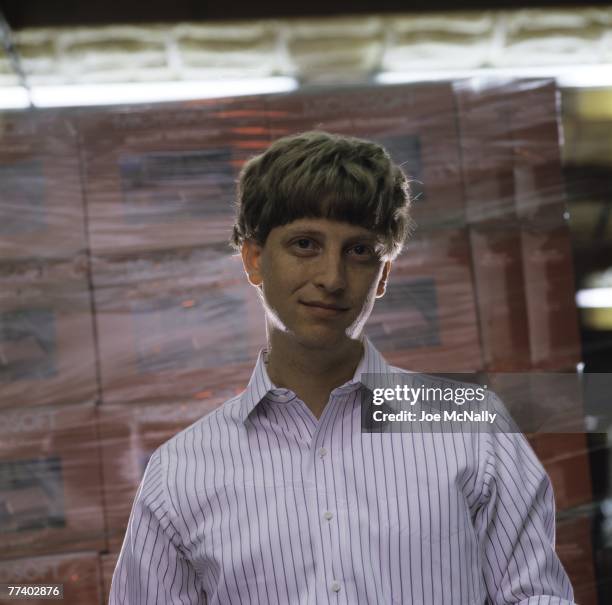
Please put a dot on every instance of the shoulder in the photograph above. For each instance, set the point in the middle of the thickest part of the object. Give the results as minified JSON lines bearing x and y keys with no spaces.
{"x":203,"y":433}
{"x":486,"y":444}
{"x":397,"y":370}
{"x":178,"y":462}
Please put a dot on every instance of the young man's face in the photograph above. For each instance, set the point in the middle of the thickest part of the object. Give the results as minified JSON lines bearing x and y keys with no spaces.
{"x":312,"y":262}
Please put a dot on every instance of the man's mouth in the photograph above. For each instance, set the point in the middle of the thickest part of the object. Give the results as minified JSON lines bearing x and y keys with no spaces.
{"x":323,"y":310}
{"x":322,"y":305}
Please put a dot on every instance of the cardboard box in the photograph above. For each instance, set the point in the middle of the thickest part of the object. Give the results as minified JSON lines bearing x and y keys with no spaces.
{"x":108,"y":563}
{"x":426,"y":321}
{"x":47,"y":353}
{"x":78,"y":572}
{"x":174,"y":324}
{"x":538,"y":178}
{"x":571,"y":479}
{"x":129,"y":435}
{"x":553,"y":446}
{"x":159,"y":179}
{"x":551,"y":308}
{"x":575,"y":550}
{"x":510,"y":150}
{"x":41,"y":208}
{"x":565,"y":456}
{"x":50,"y":481}
{"x":416,"y":124}
{"x":501,"y":299}
{"x":484,"y":114}
{"x":543,"y":404}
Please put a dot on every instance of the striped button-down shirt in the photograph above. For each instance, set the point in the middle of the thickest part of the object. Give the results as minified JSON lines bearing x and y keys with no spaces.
{"x":261,"y":502}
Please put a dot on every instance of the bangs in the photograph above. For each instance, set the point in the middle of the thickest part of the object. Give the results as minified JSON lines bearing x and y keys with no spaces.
{"x":333,"y":206}
{"x":340,"y":190}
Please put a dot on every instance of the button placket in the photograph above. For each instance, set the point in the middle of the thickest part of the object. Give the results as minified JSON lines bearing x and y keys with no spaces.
{"x":326,"y":517}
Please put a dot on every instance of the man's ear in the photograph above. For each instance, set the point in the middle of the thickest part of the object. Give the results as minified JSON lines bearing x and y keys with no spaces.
{"x":251,"y":259}
{"x":382,"y":282}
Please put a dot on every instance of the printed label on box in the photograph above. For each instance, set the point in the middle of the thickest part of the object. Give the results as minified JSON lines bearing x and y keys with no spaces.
{"x":31,"y":494}
{"x":158,"y":187}
{"x":168,"y":332}
{"x":27,"y":345}
{"x":405,"y":150}
{"x":23,"y":191}
{"x":406,"y":317}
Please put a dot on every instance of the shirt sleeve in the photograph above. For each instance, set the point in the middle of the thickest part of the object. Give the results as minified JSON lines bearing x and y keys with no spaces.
{"x":515,"y":524}
{"x":152,"y":566}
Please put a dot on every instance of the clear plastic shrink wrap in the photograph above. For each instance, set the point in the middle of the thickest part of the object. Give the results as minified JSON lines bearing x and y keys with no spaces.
{"x":124,"y":316}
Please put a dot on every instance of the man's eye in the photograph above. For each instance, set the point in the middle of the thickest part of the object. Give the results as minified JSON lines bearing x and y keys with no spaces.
{"x":362,"y":250}
{"x":304,"y":243}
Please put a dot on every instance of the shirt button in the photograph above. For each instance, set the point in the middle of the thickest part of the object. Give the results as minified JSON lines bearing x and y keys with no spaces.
{"x":322,"y":452}
{"x":335,"y":586}
{"x":328,"y":515}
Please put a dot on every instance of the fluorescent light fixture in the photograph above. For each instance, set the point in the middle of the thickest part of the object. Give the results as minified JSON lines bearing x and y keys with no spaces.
{"x":80,"y":95}
{"x":567,"y":76}
{"x":586,"y":76}
{"x":594,"y":298}
{"x":14,"y":97}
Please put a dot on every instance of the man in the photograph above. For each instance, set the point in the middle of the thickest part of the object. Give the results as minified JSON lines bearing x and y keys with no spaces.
{"x":278,"y":496}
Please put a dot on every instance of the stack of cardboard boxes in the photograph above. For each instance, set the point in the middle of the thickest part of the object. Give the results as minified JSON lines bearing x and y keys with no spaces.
{"x":51,"y":507}
{"x":522,"y":263}
{"x":117,"y":224}
{"x":174,"y":314}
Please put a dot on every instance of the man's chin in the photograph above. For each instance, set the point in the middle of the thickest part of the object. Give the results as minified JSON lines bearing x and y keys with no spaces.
{"x":321,"y":339}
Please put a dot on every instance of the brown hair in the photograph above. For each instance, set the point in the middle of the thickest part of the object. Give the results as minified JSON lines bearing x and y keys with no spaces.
{"x":321,"y":175}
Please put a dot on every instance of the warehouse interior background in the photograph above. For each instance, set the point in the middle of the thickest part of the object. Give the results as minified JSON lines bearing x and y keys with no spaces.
{"x":122,"y":131}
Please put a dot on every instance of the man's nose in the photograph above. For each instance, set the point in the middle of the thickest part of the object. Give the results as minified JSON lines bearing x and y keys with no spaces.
{"x":331,"y":272}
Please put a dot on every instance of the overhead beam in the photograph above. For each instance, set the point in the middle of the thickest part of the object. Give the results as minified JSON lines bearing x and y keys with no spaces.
{"x":41,"y":13}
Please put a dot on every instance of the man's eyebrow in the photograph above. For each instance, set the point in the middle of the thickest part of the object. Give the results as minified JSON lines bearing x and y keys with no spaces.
{"x":365,"y":237}
{"x":298,"y":231}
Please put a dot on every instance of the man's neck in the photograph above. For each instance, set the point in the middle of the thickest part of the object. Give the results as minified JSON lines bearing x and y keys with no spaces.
{"x":312,"y":374}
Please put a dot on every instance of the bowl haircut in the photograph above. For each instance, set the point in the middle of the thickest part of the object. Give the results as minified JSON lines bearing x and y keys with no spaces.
{"x":321,"y":175}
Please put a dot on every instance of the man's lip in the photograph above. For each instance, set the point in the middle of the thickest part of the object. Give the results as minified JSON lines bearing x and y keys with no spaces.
{"x":323,"y":305}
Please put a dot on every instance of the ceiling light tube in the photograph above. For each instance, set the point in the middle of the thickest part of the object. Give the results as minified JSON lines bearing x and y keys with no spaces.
{"x":14,"y":97}
{"x":567,"y":76}
{"x":80,"y":95}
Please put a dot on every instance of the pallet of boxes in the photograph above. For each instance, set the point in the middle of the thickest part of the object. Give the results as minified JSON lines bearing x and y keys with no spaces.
{"x":51,"y":501}
{"x":124,"y":316}
{"x":523,"y":278}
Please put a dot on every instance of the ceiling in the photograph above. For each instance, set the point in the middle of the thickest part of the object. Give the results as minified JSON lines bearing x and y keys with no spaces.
{"x":38,"y":13}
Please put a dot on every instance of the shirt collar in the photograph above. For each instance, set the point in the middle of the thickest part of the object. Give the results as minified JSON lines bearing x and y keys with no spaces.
{"x":260,"y":384}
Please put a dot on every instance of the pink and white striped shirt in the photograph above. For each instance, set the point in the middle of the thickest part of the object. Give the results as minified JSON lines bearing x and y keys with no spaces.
{"x":260,"y":502}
